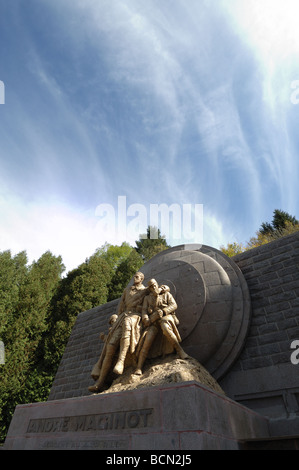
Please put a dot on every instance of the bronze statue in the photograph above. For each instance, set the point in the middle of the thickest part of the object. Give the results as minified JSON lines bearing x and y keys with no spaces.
{"x":158,"y":313}
{"x":152,"y":309}
{"x":124,"y":333}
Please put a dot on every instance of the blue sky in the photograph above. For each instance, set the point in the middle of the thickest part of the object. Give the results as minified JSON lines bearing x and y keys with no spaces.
{"x":167,"y":101}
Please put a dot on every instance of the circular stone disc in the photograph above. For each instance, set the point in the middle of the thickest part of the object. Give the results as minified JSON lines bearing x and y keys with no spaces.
{"x":175,"y":273}
{"x":213,"y":302}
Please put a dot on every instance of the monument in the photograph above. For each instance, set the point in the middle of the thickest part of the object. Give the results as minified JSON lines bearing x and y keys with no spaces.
{"x":156,"y":380}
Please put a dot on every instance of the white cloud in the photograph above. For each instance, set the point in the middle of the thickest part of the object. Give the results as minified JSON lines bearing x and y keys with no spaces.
{"x":39,"y":226}
{"x":270,"y":28}
{"x":215,"y":232}
{"x":158,"y":119}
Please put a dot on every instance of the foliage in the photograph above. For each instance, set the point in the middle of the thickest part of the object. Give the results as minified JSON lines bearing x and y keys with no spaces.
{"x":151,"y":243}
{"x":282,"y":224}
{"x":114,"y":254}
{"x":232,"y":249}
{"x":27,"y":293}
{"x":281,"y":221}
{"x":124,"y":272}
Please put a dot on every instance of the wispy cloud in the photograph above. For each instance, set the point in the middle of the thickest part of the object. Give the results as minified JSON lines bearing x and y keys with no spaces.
{"x":39,"y":226}
{"x":270,"y":30}
{"x":164,"y":102}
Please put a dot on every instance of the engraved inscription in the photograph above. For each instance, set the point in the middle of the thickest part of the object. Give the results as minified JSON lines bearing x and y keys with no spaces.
{"x":96,"y":444}
{"x":104,"y":421}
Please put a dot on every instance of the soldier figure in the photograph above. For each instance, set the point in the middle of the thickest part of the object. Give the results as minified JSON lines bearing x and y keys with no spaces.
{"x":124,"y":333}
{"x":158,"y":313}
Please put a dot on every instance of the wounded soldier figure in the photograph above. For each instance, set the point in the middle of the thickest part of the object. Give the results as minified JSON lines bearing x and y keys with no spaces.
{"x":158,"y":314}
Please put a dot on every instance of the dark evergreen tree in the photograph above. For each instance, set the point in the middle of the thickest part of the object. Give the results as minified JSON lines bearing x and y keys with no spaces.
{"x":124,"y":272}
{"x":151,"y":243}
{"x":82,"y":289}
{"x":279,"y":222}
{"x":30,"y":295}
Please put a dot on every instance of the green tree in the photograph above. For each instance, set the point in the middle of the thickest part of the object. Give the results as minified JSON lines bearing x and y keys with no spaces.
{"x":282,"y":224}
{"x":13,"y":271}
{"x":114,"y":255}
{"x":280,"y":221}
{"x":124,"y":272}
{"x":232,"y":249}
{"x":82,"y":289}
{"x":33,"y":292}
{"x":151,"y":243}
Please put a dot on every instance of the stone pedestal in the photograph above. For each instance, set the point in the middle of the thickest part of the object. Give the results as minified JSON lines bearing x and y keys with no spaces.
{"x":183,"y":416}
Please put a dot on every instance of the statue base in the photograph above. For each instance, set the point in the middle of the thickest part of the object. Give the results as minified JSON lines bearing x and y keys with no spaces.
{"x":178,"y":416}
{"x":162,"y":371}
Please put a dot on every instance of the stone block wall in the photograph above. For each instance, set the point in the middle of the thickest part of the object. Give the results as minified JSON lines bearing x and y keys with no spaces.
{"x":81,"y":353}
{"x":263,"y":376}
{"x":272,"y":275}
